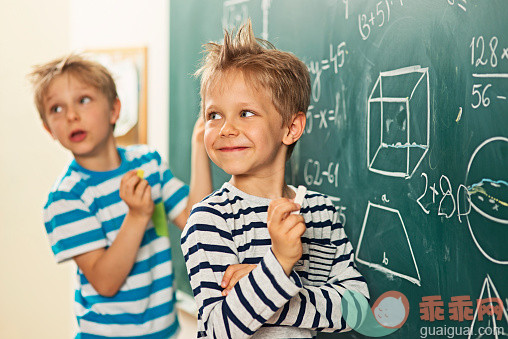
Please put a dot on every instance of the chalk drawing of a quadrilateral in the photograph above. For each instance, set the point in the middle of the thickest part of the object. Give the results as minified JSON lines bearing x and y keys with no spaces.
{"x":398,"y":122}
{"x":496,"y":328}
{"x":236,"y":13}
{"x":384,"y":244}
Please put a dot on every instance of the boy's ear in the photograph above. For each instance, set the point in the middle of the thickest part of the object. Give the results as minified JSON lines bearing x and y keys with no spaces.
{"x":115,"y":111}
{"x":295,"y":129}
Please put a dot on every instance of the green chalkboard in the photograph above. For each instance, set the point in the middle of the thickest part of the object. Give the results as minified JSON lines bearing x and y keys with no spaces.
{"x":407,"y":132}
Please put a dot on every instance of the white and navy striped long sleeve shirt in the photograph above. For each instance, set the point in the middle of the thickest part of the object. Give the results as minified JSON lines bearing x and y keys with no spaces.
{"x":229,"y":227}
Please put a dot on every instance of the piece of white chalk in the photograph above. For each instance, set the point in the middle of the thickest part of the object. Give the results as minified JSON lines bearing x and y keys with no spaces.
{"x":300,"y":194}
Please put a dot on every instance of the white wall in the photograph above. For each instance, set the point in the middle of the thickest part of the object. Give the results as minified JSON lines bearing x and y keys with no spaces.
{"x":131,"y":23}
{"x":35,"y":293}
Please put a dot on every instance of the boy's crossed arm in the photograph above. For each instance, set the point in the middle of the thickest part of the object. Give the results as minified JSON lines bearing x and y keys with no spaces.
{"x":286,"y":230}
{"x":107,"y":269}
{"x":319,"y":305}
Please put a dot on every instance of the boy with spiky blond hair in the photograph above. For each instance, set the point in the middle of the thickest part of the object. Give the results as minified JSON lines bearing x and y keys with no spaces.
{"x":297,"y":265}
{"x":99,"y":212}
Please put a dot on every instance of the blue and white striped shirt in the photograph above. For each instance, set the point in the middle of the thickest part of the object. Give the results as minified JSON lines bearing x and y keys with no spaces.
{"x":84,"y":212}
{"x":229,"y":227}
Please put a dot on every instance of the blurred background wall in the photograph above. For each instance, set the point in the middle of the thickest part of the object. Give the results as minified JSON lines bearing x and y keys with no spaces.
{"x":36,"y":294}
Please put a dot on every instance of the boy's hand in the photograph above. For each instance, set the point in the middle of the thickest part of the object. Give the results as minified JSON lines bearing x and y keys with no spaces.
{"x":198,"y":134}
{"x":137,"y":194}
{"x":233,"y":274}
{"x":285,"y":230}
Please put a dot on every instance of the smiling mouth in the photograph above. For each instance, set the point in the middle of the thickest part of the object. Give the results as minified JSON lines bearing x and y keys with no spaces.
{"x":232,"y":149}
{"x":77,"y":136}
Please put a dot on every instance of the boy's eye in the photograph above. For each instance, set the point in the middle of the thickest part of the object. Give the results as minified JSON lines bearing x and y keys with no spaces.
{"x":213,"y":116}
{"x":56,"y":109}
{"x":246,"y":114}
{"x":85,"y":100}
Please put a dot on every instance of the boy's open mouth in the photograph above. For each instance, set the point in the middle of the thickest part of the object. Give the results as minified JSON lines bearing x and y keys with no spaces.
{"x":77,"y":135}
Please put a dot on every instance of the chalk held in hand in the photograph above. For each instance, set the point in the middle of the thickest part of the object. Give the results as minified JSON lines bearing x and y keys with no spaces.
{"x":140,"y":173}
{"x":300,"y":195}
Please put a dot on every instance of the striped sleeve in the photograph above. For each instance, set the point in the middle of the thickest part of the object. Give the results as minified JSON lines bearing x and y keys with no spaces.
{"x":209,"y":249}
{"x":317,"y":307}
{"x":71,"y":227}
{"x":174,"y":191}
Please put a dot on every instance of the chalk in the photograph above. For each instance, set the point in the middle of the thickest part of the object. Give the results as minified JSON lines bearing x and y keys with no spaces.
{"x":140,"y":173}
{"x":300,"y":194}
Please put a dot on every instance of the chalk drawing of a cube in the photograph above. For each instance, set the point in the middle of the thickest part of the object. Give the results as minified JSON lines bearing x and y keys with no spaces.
{"x":398,"y":120}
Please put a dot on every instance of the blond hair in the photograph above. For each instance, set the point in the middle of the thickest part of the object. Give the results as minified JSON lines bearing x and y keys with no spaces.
{"x":89,"y":72}
{"x":281,"y":73}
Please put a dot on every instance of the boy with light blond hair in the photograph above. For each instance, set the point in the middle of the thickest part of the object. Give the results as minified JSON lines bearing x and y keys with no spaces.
{"x":297,"y":265}
{"x":99,"y":212}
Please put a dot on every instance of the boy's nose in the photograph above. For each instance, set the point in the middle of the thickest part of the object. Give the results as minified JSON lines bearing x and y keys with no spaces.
{"x":72,"y":114}
{"x":228,"y":129}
